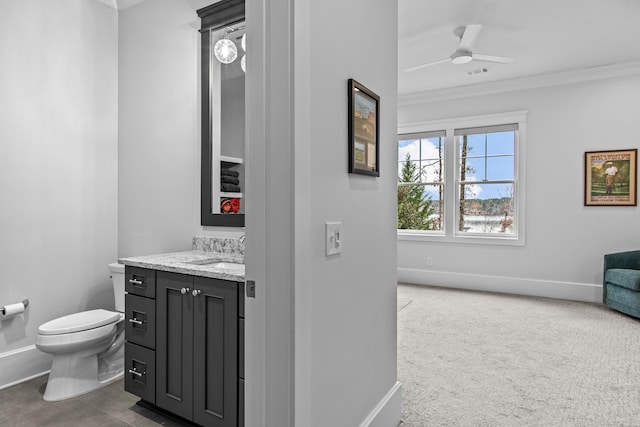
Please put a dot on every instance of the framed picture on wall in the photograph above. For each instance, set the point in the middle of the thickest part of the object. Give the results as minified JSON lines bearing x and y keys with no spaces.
{"x":610,"y":178}
{"x":364,"y":130}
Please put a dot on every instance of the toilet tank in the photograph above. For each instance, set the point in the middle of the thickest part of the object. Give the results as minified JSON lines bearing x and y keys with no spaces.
{"x":117,"y":277}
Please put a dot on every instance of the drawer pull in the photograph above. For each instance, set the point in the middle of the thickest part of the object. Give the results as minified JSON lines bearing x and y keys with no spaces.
{"x":136,"y":282}
{"x":184,"y":290}
{"x":136,"y":321}
{"x":136,"y":373}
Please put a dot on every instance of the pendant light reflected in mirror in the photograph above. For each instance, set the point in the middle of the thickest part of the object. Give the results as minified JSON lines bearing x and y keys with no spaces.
{"x":225,"y":50}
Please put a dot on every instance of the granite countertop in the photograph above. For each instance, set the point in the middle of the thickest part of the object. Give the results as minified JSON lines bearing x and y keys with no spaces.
{"x":194,"y":262}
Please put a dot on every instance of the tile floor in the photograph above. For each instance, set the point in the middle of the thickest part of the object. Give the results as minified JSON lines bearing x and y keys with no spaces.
{"x":22,"y":406}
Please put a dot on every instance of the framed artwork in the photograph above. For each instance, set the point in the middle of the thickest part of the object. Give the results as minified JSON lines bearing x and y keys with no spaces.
{"x":364,"y":130}
{"x":610,"y":178}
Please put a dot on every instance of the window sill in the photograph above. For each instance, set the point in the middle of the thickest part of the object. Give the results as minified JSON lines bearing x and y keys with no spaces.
{"x":421,"y":236}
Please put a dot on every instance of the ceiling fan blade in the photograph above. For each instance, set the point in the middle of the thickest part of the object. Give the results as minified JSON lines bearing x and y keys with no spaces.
{"x":470,"y":35}
{"x":491,"y":58}
{"x":430,"y":64}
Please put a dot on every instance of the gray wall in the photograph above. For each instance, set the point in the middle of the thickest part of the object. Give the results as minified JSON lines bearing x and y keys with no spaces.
{"x":58,"y":167}
{"x":565,"y":241}
{"x":345,"y":304}
{"x":158,"y":138}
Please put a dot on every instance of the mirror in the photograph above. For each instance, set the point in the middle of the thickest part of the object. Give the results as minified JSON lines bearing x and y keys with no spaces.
{"x":223,"y":114}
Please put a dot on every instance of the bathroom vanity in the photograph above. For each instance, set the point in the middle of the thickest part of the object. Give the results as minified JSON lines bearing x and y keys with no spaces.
{"x":184,"y":350}
{"x":184,"y":334}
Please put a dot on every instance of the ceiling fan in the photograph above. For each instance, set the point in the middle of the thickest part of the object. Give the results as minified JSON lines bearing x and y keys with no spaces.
{"x":463,"y":54}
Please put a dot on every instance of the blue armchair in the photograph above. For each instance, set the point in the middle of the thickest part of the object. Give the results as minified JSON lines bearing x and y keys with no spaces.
{"x":621,"y":282}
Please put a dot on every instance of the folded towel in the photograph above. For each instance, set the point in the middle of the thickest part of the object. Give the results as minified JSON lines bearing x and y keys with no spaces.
{"x":229,"y":180}
{"x":229,"y":172}
{"x":230,"y":188}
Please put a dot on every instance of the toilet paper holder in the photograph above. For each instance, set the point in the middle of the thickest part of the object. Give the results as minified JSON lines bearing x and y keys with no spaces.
{"x":24,"y":302}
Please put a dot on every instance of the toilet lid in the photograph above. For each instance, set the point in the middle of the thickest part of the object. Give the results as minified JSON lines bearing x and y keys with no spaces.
{"x":79,"y":322}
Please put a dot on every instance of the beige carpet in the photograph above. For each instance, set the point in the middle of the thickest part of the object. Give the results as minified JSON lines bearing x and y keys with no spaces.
{"x":479,"y":359}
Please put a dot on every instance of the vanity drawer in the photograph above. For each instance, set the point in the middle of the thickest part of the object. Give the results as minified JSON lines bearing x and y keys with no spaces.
{"x":139,"y":371}
{"x":140,"y":281}
{"x":140,"y":320}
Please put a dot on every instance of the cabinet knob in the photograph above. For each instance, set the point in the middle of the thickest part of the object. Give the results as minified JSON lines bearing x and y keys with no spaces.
{"x":184,"y":290}
{"x":196,"y":292}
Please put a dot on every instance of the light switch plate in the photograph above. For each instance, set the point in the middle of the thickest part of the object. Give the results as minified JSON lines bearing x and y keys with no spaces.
{"x":333,"y":237}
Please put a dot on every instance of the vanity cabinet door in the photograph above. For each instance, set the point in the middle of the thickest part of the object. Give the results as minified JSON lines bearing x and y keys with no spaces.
{"x":215,"y":369}
{"x":174,"y":343}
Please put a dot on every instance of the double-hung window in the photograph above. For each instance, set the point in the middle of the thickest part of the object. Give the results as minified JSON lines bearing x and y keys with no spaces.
{"x":421,"y":181}
{"x":461,"y":180}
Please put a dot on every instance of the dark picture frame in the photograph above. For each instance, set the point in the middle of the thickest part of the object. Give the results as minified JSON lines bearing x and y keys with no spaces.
{"x":364,"y":130}
{"x":610,"y":178}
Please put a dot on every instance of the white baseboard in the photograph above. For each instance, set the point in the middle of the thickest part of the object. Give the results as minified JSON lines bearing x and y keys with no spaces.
{"x":23,"y":364}
{"x":388,"y":411}
{"x":573,"y":291}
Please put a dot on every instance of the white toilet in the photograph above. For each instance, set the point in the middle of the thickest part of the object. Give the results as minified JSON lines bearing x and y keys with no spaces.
{"x":87,"y":347}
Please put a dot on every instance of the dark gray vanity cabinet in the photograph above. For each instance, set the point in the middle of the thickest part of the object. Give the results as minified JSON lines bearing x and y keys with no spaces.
{"x":197,"y":348}
{"x":197,"y":351}
{"x":140,"y":333}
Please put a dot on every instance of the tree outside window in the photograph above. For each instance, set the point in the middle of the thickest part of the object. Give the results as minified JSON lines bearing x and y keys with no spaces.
{"x":420,"y":182}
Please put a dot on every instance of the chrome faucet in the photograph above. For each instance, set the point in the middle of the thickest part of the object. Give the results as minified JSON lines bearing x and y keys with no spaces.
{"x":241,"y":239}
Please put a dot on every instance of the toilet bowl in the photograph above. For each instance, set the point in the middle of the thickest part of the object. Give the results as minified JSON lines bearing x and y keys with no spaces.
{"x":87,"y":347}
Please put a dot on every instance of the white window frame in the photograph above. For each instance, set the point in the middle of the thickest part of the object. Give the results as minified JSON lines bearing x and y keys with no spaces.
{"x":451,"y":196}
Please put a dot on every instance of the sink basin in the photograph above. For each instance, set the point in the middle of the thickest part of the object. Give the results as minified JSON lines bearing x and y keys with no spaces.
{"x":232,"y":266}
{"x":205,"y":261}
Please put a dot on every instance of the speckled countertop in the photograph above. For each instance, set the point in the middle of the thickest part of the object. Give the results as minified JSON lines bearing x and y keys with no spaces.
{"x":201,"y":261}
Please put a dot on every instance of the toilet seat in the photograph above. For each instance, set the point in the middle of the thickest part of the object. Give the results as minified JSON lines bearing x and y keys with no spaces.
{"x":81,"y":340}
{"x":79,"y":322}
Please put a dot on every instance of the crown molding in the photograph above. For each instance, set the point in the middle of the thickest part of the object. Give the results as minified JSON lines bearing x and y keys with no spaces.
{"x":524,"y":83}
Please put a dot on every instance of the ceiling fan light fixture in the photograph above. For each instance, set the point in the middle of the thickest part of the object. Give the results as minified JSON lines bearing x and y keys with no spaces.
{"x":461,"y":56}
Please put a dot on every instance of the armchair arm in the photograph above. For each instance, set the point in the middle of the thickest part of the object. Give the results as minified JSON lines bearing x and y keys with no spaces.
{"x":630,"y":259}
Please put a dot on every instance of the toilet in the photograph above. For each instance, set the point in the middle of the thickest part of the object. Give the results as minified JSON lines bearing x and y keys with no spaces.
{"x":87,"y":347}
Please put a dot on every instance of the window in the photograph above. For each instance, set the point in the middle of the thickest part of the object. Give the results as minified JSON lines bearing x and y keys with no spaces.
{"x":421,"y":181}
{"x":461,"y":180}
